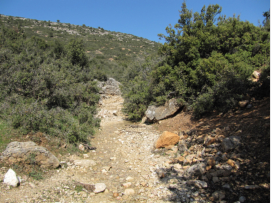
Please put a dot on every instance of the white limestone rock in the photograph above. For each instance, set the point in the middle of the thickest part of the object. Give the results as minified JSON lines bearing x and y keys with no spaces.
{"x":99,"y":187}
{"x":11,"y":178}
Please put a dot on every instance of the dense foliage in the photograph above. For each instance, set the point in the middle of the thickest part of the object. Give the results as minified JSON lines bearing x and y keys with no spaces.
{"x":47,"y":73}
{"x":47,"y":87}
{"x":208,"y":62}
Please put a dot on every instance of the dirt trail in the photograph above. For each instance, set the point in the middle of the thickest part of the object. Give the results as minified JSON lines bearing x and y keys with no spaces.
{"x":124,"y":163}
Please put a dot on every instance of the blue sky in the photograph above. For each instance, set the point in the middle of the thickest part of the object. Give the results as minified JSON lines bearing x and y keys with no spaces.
{"x":143,"y":18}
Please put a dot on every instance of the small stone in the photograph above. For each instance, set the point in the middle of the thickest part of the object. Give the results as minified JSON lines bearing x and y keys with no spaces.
{"x":177,"y":166}
{"x":160,"y":173}
{"x":106,"y":168}
{"x":182,"y":147}
{"x":196,"y":170}
{"x":81,"y":147}
{"x":230,"y":142}
{"x":129,"y":192}
{"x":200,"y":184}
{"x":115,"y":194}
{"x":189,"y":159}
{"x":128,"y":184}
{"x":224,"y":157}
{"x":195,"y":194}
{"x":11,"y":178}
{"x":85,"y":156}
{"x":209,"y":140}
{"x":180,"y":159}
{"x":144,"y":184}
{"x":218,"y":195}
{"x":99,"y":187}
{"x":129,"y":179}
{"x":226,"y":186}
{"x":243,"y":104}
{"x":226,"y":167}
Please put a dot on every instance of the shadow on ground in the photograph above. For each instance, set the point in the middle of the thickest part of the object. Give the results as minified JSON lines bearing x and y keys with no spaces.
{"x":252,"y":177}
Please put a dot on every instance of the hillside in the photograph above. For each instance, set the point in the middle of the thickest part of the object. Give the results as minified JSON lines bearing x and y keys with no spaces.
{"x":48,"y":73}
{"x":108,"y":51}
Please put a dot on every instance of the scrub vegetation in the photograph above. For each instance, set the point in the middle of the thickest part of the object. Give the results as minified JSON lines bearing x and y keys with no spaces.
{"x":48,"y":72}
{"x":206,"y":63}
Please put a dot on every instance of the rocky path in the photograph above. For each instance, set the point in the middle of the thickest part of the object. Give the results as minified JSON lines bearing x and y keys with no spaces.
{"x":209,"y":164}
{"x":123,"y":161}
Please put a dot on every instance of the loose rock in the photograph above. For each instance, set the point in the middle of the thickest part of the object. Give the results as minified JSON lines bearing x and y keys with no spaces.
{"x":196,"y":170}
{"x":166,"y":139}
{"x":11,"y":178}
{"x":129,"y":192}
{"x":99,"y":187}
{"x":230,"y":142}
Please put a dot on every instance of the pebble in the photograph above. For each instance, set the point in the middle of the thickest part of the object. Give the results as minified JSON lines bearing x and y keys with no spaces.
{"x":128,"y":184}
{"x":99,"y":187}
{"x":129,"y":178}
{"x":129,"y":192}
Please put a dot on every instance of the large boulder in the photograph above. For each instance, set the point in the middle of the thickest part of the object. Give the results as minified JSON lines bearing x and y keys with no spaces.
{"x":110,"y":87}
{"x":154,"y":113}
{"x":167,"y":139}
{"x":27,"y":153}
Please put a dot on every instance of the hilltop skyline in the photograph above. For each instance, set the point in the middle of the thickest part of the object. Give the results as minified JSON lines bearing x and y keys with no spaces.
{"x":141,"y":18}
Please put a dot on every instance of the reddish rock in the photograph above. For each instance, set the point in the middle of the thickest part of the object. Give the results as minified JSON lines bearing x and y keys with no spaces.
{"x":167,"y":139}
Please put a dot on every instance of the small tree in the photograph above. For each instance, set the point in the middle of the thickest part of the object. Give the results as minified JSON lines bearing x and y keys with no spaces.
{"x":76,"y":52}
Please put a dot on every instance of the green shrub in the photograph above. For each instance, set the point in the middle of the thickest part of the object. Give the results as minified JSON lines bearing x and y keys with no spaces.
{"x":207,"y":64}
